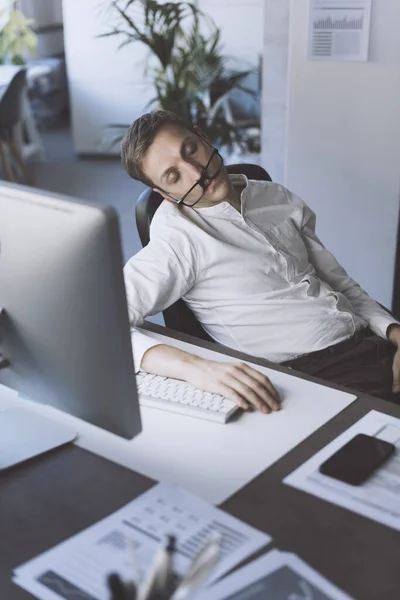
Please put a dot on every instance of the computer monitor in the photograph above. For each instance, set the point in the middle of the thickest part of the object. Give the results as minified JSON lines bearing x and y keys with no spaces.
{"x":64,"y":329}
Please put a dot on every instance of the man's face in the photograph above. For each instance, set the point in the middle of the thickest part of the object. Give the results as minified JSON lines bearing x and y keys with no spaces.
{"x":175,"y":161}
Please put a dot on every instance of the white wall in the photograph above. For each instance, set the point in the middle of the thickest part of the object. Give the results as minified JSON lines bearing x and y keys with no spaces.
{"x":275,"y":87}
{"x":343,"y":146}
{"x":242,"y":27}
{"x":107,"y":84}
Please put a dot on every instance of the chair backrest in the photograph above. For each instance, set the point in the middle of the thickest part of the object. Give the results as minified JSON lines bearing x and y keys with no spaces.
{"x":178,"y":316}
{"x":396,"y":286}
{"x":11,"y":103}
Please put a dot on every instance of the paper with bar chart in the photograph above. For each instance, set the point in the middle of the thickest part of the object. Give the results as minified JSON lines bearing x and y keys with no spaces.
{"x":378,"y":498}
{"x":77,"y":568}
{"x":339,"y":30}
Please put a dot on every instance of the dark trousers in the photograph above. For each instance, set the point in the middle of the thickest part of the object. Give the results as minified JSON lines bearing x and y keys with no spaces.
{"x":363,"y":363}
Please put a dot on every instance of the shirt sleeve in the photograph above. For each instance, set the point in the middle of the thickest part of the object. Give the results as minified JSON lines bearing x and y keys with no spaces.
{"x":156,"y":277}
{"x":329,"y":270}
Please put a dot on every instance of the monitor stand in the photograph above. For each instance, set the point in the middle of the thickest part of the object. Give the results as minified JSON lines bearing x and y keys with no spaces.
{"x":25,"y":434}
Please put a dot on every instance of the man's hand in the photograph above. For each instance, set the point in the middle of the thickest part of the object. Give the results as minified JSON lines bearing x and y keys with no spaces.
{"x":396,"y":372}
{"x":236,"y":381}
{"x":394,"y":336}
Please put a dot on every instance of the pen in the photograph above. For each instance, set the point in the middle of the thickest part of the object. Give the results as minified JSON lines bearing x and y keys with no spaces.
{"x":130,"y":591}
{"x":160,"y":573}
{"x":200,"y":570}
{"x":119,"y":590}
{"x":213,"y":539}
{"x":166,"y":575}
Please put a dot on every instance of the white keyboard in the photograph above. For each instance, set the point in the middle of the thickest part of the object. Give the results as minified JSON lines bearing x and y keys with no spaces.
{"x":180,"y":397}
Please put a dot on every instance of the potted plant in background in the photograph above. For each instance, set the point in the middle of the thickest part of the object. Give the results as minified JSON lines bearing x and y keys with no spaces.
{"x":190,"y":74}
{"x":17,"y":39}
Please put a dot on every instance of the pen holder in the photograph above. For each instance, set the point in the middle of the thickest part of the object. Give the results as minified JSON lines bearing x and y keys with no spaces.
{"x":162,"y":583}
{"x":120,"y":590}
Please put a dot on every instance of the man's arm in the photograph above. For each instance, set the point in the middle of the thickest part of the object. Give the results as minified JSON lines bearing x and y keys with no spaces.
{"x":236,"y":381}
{"x":156,"y":278}
{"x":330,"y":271}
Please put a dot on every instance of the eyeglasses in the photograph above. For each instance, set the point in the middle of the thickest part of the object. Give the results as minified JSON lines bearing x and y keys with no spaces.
{"x":208,"y":174}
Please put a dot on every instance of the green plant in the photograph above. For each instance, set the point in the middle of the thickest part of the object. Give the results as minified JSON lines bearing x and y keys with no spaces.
{"x":190,"y":74}
{"x":16,"y":36}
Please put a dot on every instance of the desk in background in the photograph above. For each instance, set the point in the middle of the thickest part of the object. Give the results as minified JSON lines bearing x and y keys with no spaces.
{"x":56,"y":495}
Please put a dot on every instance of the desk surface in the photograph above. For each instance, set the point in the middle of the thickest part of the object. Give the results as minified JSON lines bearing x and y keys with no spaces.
{"x":56,"y":495}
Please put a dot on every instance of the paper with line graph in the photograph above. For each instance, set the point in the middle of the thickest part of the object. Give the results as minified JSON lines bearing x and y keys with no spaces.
{"x":379,"y":497}
{"x":77,"y":568}
{"x":274,"y":576}
{"x":339,"y":30}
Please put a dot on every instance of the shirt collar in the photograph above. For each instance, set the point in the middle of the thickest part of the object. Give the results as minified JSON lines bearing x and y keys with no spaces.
{"x":222,"y":208}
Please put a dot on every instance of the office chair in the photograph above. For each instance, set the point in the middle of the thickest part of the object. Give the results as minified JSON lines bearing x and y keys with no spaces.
{"x":178,"y":316}
{"x":11,"y":114}
{"x":396,"y":286}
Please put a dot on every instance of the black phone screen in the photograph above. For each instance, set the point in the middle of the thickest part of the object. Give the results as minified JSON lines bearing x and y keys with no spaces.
{"x":357,"y":459}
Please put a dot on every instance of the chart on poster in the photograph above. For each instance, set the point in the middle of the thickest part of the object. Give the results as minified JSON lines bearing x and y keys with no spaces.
{"x":339,"y":30}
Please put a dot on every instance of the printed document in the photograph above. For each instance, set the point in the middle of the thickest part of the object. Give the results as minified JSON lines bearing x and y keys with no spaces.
{"x":276,"y":576}
{"x":77,"y":568}
{"x":339,"y":30}
{"x":379,"y":497}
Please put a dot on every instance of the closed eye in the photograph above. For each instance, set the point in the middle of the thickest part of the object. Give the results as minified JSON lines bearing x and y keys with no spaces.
{"x":173,"y":177}
{"x":190,"y":149}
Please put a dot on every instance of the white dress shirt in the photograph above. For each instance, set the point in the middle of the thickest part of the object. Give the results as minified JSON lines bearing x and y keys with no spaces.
{"x":259,"y":281}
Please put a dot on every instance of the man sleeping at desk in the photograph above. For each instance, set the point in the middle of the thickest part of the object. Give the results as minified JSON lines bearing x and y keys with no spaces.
{"x":244,"y":257}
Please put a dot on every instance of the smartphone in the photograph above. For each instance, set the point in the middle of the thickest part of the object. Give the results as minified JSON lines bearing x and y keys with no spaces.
{"x":358,"y":459}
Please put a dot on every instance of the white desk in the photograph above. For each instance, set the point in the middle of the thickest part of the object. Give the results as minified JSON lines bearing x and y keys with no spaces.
{"x":210,"y":459}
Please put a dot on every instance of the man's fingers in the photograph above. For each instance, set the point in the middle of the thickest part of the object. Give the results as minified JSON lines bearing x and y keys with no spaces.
{"x":396,"y":383}
{"x":243,"y":396}
{"x":243,"y":385}
{"x":258,"y":383}
{"x":249,"y":394}
{"x":233,"y":395}
{"x":263,"y":379}
{"x":256,"y":393}
{"x":396,"y":374}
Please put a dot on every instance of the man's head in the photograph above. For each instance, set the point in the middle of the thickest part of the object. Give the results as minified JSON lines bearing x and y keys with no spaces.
{"x":168,"y":154}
